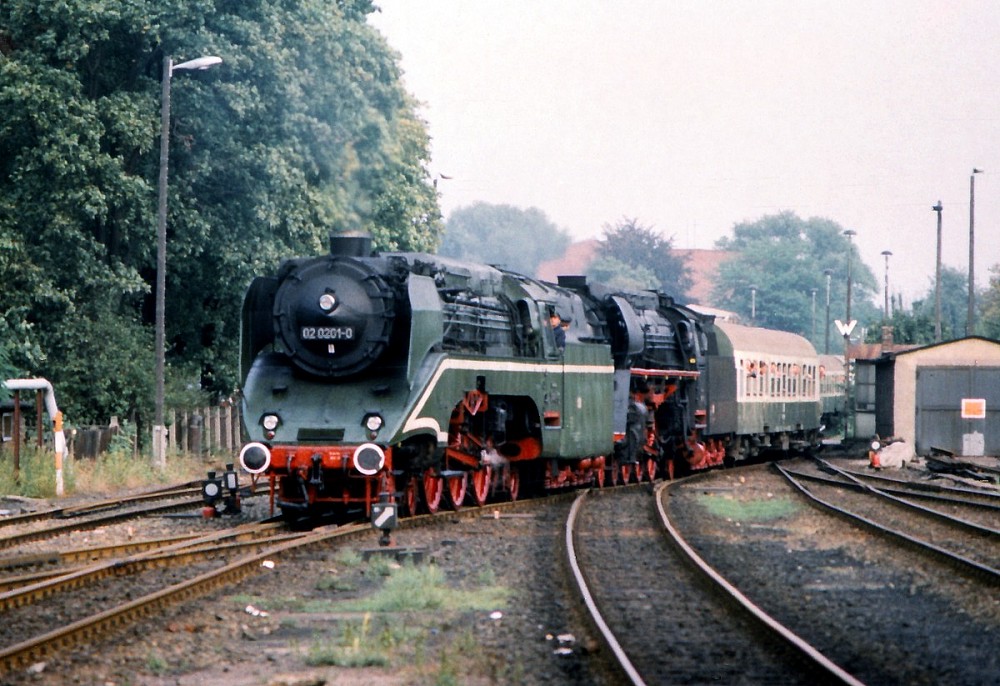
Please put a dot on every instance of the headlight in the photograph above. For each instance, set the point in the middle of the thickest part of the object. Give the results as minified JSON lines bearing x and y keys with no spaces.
{"x":270,"y":421}
{"x":369,"y":459}
{"x":327,"y":302}
{"x":373,"y":422}
{"x":255,"y":457}
{"x":876,"y":446}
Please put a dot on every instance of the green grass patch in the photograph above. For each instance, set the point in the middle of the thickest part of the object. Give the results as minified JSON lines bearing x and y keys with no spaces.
{"x":748,"y":510}
{"x":425,"y":589}
{"x":361,"y":644}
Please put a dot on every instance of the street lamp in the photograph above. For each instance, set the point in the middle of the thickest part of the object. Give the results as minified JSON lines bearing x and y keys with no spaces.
{"x":887,"y":254}
{"x":970,"y":320}
{"x":159,"y":430}
{"x":826,"y":347}
{"x":753,"y":304}
{"x":937,"y":276}
{"x":813,"y":291}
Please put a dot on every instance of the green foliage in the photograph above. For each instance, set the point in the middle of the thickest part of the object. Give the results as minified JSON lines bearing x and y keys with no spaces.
{"x":954,"y":303}
{"x":304,"y":130}
{"x":989,"y":302}
{"x":424,"y":588}
{"x":37,"y":476}
{"x":910,"y":327}
{"x":503,"y":235}
{"x":636,"y":256}
{"x":917,"y":326}
{"x":785,"y":257}
{"x":619,"y":275}
{"x":357,"y":647}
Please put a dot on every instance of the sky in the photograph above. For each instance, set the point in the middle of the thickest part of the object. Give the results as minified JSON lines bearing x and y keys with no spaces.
{"x":692,"y":116}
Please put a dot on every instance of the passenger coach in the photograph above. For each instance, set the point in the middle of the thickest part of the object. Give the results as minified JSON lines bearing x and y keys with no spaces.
{"x":763,"y":391}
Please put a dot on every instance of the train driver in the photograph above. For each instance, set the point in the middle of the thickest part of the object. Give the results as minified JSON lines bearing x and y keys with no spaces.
{"x":555,"y":321}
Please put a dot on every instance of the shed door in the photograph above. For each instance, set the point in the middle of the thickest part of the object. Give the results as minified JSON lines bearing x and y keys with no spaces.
{"x":940,"y":391}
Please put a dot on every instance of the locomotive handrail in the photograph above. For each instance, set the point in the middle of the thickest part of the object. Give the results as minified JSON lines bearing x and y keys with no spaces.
{"x":665,"y":373}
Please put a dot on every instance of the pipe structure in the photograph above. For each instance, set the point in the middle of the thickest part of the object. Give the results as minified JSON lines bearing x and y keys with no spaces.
{"x":53,"y":412}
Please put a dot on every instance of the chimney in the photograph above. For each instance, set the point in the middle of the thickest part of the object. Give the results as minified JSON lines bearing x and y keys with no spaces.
{"x":886,"y":338}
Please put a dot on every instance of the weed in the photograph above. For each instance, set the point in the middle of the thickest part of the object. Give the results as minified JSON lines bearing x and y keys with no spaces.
{"x":381,"y":565}
{"x":486,"y":577}
{"x":356,"y":648}
{"x":424,"y":588}
{"x":446,"y":675}
{"x":156,"y":664}
{"x":348,"y":558}
{"x":110,"y":472}
{"x":334,"y":582}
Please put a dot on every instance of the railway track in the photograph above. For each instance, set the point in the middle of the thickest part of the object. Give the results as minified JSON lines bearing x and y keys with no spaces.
{"x":115,"y":578}
{"x":967,"y":545}
{"x":657,"y":615}
{"x":48,"y":524}
{"x":886,"y":613}
{"x":195,"y":570}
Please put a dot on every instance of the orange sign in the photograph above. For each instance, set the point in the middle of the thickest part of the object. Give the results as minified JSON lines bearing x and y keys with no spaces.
{"x":973,"y":408}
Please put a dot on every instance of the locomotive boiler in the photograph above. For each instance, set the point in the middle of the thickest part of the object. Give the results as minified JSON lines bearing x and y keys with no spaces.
{"x":439,"y":382}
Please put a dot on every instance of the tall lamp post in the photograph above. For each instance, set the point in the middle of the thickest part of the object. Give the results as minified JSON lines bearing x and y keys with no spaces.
{"x":887,"y":254}
{"x":813,"y":292}
{"x":937,"y":276}
{"x":159,"y":429}
{"x":826,"y":347}
{"x":970,"y":320}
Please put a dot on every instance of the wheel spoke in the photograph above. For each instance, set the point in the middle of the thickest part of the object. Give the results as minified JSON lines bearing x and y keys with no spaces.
{"x":482,"y":479}
{"x":410,"y":496}
{"x":626,"y":472}
{"x":433,"y":490}
{"x":457,"y":486}
{"x":512,"y":482}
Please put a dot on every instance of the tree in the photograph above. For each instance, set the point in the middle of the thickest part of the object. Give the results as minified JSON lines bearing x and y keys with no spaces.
{"x":954,"y":304}
{"x":618,"y":275}
{"x":503,"y":235}
{"x":785,"y":257}
{"x":644,"y":250}
{"x":989,"y":302}
{"x":305,"y":130}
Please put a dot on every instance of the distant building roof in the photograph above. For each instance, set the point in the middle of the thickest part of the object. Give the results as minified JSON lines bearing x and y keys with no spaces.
{"x":704,"y":265}
{"x":874,"y":351}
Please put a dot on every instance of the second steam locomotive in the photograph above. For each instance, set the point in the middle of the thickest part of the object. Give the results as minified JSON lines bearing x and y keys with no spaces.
{"x":368,"y":376}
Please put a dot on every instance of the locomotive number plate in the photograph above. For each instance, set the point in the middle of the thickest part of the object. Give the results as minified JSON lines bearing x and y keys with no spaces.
{"x":327,"y":333}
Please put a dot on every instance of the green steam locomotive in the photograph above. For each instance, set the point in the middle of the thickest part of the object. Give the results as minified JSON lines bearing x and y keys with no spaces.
{"x":434,"y":383}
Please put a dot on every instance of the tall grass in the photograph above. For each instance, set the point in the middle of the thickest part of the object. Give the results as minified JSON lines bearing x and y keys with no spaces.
{"x":110,"y":472}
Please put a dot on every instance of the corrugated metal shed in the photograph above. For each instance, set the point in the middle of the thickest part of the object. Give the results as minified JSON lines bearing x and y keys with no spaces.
{"x":922,"y":391}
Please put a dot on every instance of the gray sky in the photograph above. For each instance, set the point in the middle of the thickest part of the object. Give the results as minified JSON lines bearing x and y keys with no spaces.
{"x":694,"y":115}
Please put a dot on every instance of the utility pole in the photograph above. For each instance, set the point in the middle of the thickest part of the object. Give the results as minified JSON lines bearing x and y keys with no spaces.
{"x":970,"y":319}
{"x":937,"y":277}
